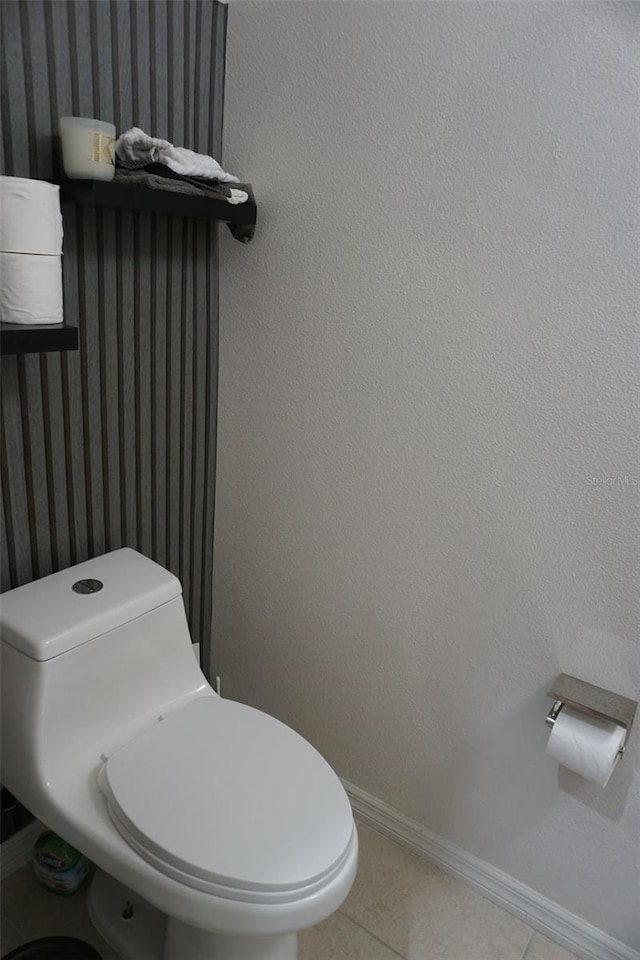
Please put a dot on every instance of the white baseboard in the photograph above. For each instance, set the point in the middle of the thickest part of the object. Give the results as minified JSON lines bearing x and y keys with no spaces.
{"x":16,"y":851}
{"x":567,"y":929}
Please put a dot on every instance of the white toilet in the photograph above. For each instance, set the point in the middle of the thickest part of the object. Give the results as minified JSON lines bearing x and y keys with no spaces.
{"x":218,"y":831}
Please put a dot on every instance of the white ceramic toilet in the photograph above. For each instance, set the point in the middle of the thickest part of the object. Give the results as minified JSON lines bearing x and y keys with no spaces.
{"x":218,"y":831}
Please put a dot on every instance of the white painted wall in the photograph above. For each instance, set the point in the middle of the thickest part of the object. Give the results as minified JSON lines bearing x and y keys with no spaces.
{"x":427,"y":354}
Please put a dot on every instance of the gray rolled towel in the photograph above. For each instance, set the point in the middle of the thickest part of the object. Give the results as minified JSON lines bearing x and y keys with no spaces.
{"x":174,"y":183}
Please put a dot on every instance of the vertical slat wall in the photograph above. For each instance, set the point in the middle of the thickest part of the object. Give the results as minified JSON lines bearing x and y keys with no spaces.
{"x":115,"y":445}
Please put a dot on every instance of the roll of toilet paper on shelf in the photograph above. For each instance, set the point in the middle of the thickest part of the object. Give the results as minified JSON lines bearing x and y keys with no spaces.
{"x":587,"y":745}
{"x":30,"y":288}
{"x":30,"y":218}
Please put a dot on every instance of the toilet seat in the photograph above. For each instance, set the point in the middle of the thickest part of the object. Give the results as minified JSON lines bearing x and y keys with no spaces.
{"x":228,"y":800}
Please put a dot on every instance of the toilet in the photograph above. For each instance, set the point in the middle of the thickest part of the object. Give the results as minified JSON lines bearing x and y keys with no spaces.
{"x":218,"y":832}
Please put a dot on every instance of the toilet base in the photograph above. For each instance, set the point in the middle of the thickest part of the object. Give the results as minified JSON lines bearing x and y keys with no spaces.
{"x":188,"y":943}
{"x":129,"y":924}
{"x":138,"y":931}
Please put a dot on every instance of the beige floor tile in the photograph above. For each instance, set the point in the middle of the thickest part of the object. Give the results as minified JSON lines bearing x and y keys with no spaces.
{"x":414,"y":908}
{"x":541,"y":948}
{"x":339,"y":938}
{"x":29,"y":912}
{"x":424,"y":914}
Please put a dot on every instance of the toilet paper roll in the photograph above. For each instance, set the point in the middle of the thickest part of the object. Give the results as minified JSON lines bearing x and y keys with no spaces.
{"x":30,"y":218}
{"x":587,"y":745}
{"x":30,"y":288}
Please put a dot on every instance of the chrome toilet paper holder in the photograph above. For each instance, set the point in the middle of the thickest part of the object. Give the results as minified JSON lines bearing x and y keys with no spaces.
{"x":591,"y":700}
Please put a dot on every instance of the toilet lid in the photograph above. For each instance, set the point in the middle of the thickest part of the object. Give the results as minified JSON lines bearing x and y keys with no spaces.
{"x":224,"y":794}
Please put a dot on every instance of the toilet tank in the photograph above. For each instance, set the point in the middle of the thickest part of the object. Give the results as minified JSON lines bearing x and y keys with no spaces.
{"x":90,"y":656}
{"x":59,"y":613}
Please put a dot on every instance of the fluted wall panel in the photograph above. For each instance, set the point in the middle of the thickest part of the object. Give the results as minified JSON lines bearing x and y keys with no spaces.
{"x":114,"y":444}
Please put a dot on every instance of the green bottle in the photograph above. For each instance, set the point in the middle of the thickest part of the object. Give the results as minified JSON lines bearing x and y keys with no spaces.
{"x":59,"y":866}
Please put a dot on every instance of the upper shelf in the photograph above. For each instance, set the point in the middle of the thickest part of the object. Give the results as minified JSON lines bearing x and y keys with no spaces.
{"x":122,"y":196}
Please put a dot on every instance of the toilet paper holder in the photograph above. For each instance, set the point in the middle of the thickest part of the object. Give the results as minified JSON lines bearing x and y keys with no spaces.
{"x":592,"y":700}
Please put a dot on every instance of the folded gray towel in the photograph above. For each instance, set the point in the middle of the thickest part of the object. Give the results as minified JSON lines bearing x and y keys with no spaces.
{"x":174,"y":183}
{"x":144,"y":178}
{"x":139,"y":178}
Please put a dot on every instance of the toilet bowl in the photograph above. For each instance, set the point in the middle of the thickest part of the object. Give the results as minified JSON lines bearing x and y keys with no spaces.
{"x":227,"y":829}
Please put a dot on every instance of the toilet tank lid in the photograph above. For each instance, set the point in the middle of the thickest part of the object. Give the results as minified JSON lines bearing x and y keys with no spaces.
{"x":48,"y":617}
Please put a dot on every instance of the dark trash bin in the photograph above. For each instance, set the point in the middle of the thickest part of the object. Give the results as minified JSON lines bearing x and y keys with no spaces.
{"x":54,"y":948}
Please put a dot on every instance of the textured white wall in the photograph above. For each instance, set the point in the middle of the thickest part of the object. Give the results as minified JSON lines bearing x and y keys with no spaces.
{"x":427,"y":355}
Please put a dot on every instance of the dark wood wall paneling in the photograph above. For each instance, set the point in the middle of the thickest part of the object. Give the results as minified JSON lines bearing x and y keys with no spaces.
{"x":114,"y":445}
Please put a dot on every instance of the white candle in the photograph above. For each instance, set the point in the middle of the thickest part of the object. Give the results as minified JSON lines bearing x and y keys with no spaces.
{"x":87,"y":148}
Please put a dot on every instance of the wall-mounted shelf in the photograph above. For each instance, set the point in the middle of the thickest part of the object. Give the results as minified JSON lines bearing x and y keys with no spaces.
{"x":37,"y":337}
{"x":47,"y":337}
{"x":123,"y":196}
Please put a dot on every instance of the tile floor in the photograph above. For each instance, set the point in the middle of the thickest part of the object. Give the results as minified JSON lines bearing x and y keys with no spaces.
{"x":400,"y":906}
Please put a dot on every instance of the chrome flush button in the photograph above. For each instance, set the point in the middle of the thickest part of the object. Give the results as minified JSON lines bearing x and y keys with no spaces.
{"x":87,"y":586}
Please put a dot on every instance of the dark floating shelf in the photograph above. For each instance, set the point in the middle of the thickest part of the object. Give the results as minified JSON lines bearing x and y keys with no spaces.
{"x":122,"y":196}
{"x":37,"y":337}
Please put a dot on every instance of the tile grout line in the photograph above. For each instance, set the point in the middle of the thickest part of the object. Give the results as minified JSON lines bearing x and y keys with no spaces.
{"x":371,"y":934}
{"x":529,"y":942}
